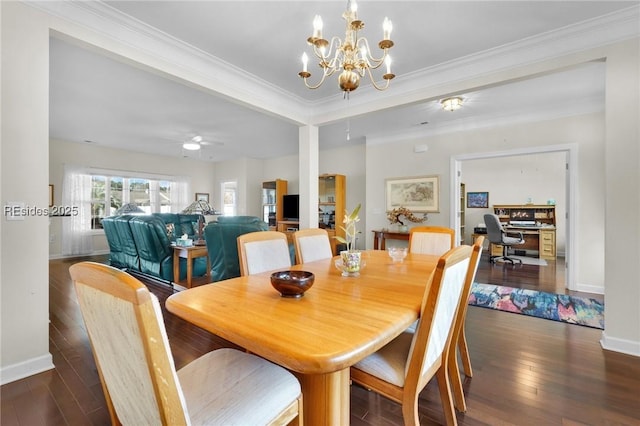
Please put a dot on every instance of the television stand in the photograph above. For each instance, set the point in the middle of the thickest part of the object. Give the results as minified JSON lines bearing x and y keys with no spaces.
{"x":288,"y":227}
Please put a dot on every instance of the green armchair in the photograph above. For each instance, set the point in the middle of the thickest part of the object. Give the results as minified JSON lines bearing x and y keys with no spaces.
{"x":221,"y":238}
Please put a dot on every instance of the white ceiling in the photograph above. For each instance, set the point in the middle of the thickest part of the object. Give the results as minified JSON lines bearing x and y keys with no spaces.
{"x":112,"y":103}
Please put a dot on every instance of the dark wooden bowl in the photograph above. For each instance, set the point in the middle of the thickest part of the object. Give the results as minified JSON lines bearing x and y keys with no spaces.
{"x":292,"y":283}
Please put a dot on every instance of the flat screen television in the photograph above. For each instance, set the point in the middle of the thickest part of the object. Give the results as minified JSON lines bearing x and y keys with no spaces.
{"x":291,"y":207}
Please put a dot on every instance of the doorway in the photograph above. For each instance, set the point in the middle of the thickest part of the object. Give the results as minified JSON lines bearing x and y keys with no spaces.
{"x":570,"y":152}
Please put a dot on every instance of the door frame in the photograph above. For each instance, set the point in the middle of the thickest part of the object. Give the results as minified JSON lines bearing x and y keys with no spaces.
{"x":571,"y":185}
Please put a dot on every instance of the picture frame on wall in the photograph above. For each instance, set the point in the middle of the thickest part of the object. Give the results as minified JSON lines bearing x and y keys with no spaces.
{"x":478,"y":200}
{"x":417,"y":193}
{"x":202,"y":196}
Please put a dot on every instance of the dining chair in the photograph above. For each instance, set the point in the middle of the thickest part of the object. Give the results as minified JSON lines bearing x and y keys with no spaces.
{"x":403,"y":367}
{"x":431,"y":240}
{"x":263,"y":251}
{"x":312,"y":244}
{"x":136,"y":368}
{"x":459,"y":337}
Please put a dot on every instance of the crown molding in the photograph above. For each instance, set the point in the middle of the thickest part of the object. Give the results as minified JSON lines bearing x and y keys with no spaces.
{"x":442,"y":80}
{"x":194,"y":65}
{"x":233,"y":83}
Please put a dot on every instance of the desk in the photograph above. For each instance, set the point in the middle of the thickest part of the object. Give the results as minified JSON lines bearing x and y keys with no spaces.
{"x":188,"y":253}
{"x":338,"y":322}
{"x":379,"y":238}
{"x":540,"y":239}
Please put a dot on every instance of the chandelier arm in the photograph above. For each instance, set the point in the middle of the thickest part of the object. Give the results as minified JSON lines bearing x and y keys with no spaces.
{"x":334,"y":42}
{"x":324,"y":76}
{"x":373,"y":82}
{"x":370,"y":57}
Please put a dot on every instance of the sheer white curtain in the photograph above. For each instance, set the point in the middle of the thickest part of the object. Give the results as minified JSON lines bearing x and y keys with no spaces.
{"x":77,"y":238}
{"x":179,"y":191}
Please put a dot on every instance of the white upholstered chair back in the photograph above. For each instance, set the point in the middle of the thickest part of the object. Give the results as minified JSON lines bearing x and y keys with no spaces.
{"x":402,"y":368}
{"x":140,"y":383}
{"x":311,"y":245}
{"x":127,"y":335}
{"x":262,"y":251}
{"x":459,"y":338}
{"x":434,"y":240}
{"x":446,"y":293}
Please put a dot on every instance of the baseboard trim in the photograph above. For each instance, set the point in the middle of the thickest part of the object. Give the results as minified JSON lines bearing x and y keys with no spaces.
{"x":628,"y":347}
{"x":71,"y":256}
{"x":27,"y":368}
{"x":588,"y":288}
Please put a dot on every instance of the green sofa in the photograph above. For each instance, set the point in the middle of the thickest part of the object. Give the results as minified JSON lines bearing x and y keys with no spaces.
{"x":142,"y":244}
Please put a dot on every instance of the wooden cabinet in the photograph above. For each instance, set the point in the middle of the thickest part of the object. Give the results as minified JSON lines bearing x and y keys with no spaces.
{"x":332,"y":192}
{"x":272,"y":193}
{"x":288,"y":227}
{"x":547,"y":243}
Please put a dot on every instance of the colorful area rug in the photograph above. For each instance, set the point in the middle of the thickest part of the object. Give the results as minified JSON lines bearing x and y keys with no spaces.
{"x":558,"y":307}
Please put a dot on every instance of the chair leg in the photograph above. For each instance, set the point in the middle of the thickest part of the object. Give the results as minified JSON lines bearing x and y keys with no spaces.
{"x":464,"y":353}
{"x":410,"y":409}
{"x":444,"y":385}
{"x":456,"y":381}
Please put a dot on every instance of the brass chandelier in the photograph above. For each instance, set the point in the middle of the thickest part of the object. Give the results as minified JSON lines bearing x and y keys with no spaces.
{"x":352,"y":56}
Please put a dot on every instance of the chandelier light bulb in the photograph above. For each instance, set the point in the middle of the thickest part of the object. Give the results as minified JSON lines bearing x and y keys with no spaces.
{"x":387,"y":62}
{"x":305,"y":61}
{"x":387,"y":26}
{"x":317,"y":26}
{"x":354,"y":6}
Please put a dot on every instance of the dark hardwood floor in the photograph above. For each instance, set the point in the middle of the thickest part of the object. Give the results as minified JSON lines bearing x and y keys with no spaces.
{"x":527,"y":371}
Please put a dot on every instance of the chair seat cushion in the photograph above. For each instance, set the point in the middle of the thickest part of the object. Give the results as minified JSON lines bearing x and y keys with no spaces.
{"x":390,"y":361}
{"x":229,"y":387}
{"x":511,"y":240}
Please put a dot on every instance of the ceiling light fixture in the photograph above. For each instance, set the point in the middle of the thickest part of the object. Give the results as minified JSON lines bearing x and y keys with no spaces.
{"x":451,"y":104}
{"x":352,"y":55}
{"x":193,"y":144}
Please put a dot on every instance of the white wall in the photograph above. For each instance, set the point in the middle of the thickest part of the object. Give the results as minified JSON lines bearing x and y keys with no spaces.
{"x":201,"y":174}
{"x":24,"y":177}
{"x":586,"y":131}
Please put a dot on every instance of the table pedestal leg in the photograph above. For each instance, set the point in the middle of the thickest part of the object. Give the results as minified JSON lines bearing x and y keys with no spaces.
{"x":326,"y":398}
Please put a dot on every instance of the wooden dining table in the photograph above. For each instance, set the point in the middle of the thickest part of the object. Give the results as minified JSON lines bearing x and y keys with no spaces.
{"x":336,"y":323}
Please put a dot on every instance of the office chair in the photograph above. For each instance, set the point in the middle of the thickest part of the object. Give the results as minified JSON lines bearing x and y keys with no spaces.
{"x":498,"y":235}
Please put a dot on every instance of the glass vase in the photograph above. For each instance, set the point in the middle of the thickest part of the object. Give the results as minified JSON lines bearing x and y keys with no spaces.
{"x":351,"y":262}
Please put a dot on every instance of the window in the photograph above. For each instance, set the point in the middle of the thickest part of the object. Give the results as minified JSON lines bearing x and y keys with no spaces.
{"x":148,"y":194}
{"x":229,"y":195}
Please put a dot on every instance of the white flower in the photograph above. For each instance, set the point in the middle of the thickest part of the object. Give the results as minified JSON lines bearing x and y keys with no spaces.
{"x":349,"y":228}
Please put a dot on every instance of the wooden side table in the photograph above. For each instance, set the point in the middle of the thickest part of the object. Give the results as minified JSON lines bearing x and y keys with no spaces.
{"x":189,"y":253}
{"x":379,"y":238}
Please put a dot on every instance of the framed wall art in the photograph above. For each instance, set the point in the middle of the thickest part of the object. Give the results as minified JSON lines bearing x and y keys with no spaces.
{"x":202,"y":196}
{"x":478,"y":200}
{"x":418,"y":193}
